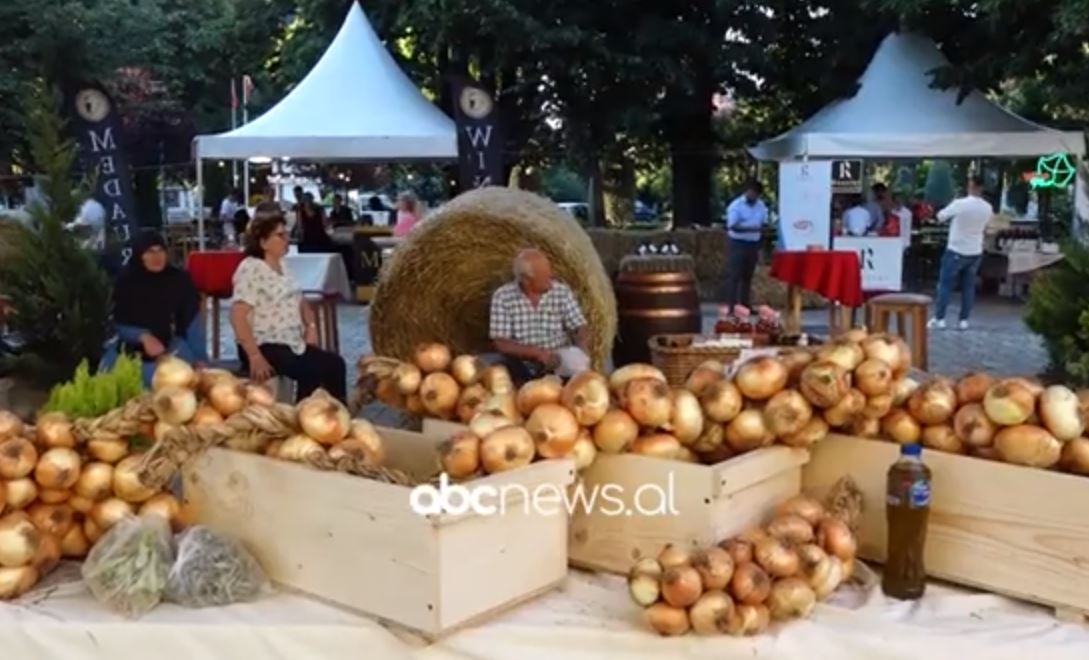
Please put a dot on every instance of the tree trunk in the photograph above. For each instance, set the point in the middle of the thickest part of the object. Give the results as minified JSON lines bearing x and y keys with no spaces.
{"x":595,"y":196}
{"x":145,"y":191}
{"x":692,"y":143}
{"x":618,"y":192}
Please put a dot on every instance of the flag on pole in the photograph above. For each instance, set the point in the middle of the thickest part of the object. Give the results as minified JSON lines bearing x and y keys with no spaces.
{"x":247,"y":90}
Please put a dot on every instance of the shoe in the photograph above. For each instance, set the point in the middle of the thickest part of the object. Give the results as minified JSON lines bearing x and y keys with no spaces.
{"x":963,"y":325}
{"x":936,"y":323}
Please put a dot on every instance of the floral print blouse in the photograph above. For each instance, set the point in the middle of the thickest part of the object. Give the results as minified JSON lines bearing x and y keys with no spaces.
{"x":275,"y":298}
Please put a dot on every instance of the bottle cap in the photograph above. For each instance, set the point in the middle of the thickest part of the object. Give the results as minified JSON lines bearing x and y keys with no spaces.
{"x":911,"y":450}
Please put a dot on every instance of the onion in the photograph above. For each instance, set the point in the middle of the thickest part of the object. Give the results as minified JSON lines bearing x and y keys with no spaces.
{"x":846,"y":354}
{"x":497,"y":379}
{"x":19,"y":540}
{"x":711,"y":439}
{"x":108,"y":449}
{"x":902,"y":390}
{"x":942,"y":437}
{"x":75,"y":545}
{"x":439,"y":392}
{"x":554,"y":430}
{"x":80,"y":504}
{"x":505,"y":405}
{"x":432,"y":357}
{"x":849,"y":406}
{"x":323,"y":418}
{"x":126,"y":480}
{"x":686,"y":455}
{"x":205,"y":415}
{"x":54,"y":430}
{"x":1031,"y":384}
{"x":1009,"y":403}
{"x":901,"y":427}
{"x":687,"y":421}
{"x":58,"y":469}
{"x":681,"y":586}
{"x":710,"y":614}
{"x":259,"y":395}
{"x":406,"y":378}
{"x":585,"y":451}
{"x":704,"y":376}
{"x":164,"y":505}
{"x":54,"y":495}
{"x":761,"y":378}
{"x":1059,"y":413}
{"x":55,"y":519}
{"x":933,"y":403}
{"x":298,"y":447}
{"x":91,"y":530}
{"x":973,"y":387}
{"x":667,"y":620}
{"x":208,"y":377}
{"x":414,"y":404}
{"x":369,"y":442}
{"x":754,"y":535}
{"x":48,"y":555}
{"x":824,"y":573}
{"x":862,"y":426}
{"x":506,"y":449}
{"x":619,"y":379}
{"x":174,"y":405}
{"x":107,"y":514}
{"x":227,"y":397}
{"x":467,"y":369}
{"x":1075,"y":456}
{"x":776,"y":557}
{"x":644,"y":580}
{"x":791,"y":598}
{"x":386,"y":392}
{"x":1028,"y":445}
{"x":883,"y":347}
{"x":648,"y":401}
{"x":835,"y":537}
{"x":791,"y":528}
{"x":483,"y":424}
{"x":973,"y":427}
{"x":812,"y":433}
{"x":796,"y":360}
{"x":740,"y":551}
{"x":17,"y":458}
{"x":674,"y":554}
{"x":10,"y":425}
{"x":748,"y":620}
{"x":877,"y":406}
{"x":721,"y":401}
{"x":460,"y":455}
{"x":854,"y":335}
{"x":587,"y":396}
{"x":748,"y":431}
{"x":20,"y":493}
{"x":804,"y":507}
{"x":658,"y":445}
{"x":537,"y":392}
{"x":787,"y":413}
{"x":273,"y":448}
{"x":715,"y":567}
{"x":1083,"y":406}
{"x":173,"y":372}
{"x":161,"y":429}
{"x":824,"y":383}
{"x":873,"y":377}
{"x":750,"y":585}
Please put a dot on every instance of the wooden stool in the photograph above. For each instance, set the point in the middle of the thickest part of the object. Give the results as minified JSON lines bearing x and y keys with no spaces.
{"x":325,"y":310}
{"x":879,"y":309}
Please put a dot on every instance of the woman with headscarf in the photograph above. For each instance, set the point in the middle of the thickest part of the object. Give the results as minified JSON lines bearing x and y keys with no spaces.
{"x":156,"y":309}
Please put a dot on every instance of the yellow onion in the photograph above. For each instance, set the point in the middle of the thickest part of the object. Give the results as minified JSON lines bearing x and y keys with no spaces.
{"x":19,"y":540}
{"x":715,"y":567}
{"x":323,"y":418}
{"x":862,"y":426}
{"x":686,"y":455}
{"x":506,"y":449}
{"x":619,"y":379}
{"x":585,"y":451}
{"x":587,"y":396}
{"x":648,"y":402}
{"x":210,"y":376}
{"x":873,"y":377}
{"x":554,"y":430}
{"x":942,"y":437}
{"x":719,"y":454}
{"x":710,"y":614}
{"x":1059,"y":413}
{"x":748,"y":620}
{"x":899,"y":426}
{"x":933,"y":403}
{"x":407,"y":378}
{"x":17,"y":458}
{"x":973,"y":427}
{"x":802,"y":506}
{"x":791,"y":528}
{"x":80,"y":504}
{"x":173,"y":372}
{"x":1009,"y":403}
{"x":369,"y":441}
{"x":54,"y":430}
{"x":761,"y":378}
{"x":704,"y":376}
{"x":161,"y":429}
{"x":505,"y":405}
{"x":126,"y":480}
{"x":15,"y":582}
{"x":174,"y":405}
{"x":1033,"y":385}
{"x":10,"y":425}
{"x":902,"y":389}
{"x":824,"y":383}
{"x":467,"y":370}
{"x":483,"y":424}
{"x":110,"y":512}
{"x":877,"y":406}
{"x":1028,"y":445}
{"x":54,"y":519}
{"x":835,"y":537}
{"x":471,"y":401}
{"x":95,"y":481}
{"x":1075,"y":456}
{"x":748,"y":431}
{"x":386,"y":391}
{"x":91,"y":530}
{"x":852,"y":404}
{"x":414,"y":404}
{"x":674,"y":554}
{"x":74,"y":544}
{"x":681,"y":586}
{"x":536,"y":392}
{"x":750,"y":585}
{"x":644,"y":582}
{"x":667,"y":620}
{"x":973,"y":387}
{"x":432,"y":357}
{"x":615,"y":432}
{"x":883,"y":347}
{"x":846,"y":354}
{"x":822,"y":572}
{"x":497,"y":379}
{"x":107,"y":448}
{"x":777,"y":558}
{"x":854,"y":335}
{"x":227,"y":397}
{"x":813,"y":432}
{"x":791,"y":598}
{"x":54,"y":495}
{"x":206,"y":415}
{"x":58,"y":469}
{"x":687,"y":421}
{"x":711,"y":438}
{"x":658,"y":445}
{"x":439,"y":392}
{"x":721,"y":401}
{"x":20,"y":493}
{"x":796,"y":360}
{"x":787,"y":413}
{"x":740,"y":551}
{"x":164,"y":505}
{"x":298,"y":447}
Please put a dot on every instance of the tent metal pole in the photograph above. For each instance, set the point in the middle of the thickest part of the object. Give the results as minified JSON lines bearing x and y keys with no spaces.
{"x":200,"y":198}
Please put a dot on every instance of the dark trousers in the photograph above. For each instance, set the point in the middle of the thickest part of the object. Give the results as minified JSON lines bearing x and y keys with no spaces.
{"x":741,"y":258}
{"x":313,"y":369}
{"x":521,"y":371}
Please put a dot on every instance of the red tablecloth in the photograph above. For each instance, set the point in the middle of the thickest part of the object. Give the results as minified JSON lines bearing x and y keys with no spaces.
{"x":834,"y":274}
{"x":212,"y":270}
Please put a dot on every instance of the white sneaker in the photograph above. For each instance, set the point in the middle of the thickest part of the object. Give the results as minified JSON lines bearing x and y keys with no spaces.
{"x":936,"y":323}
{"x":963,"y":325}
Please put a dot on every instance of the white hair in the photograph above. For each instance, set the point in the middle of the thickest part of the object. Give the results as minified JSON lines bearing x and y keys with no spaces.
{"x":523,"y":263}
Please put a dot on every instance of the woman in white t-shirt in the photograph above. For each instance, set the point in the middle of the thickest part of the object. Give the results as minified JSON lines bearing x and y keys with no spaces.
{"x":275,"y":327}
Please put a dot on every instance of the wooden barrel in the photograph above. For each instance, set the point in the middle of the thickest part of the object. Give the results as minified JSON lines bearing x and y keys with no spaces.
{"x":649,"y":304}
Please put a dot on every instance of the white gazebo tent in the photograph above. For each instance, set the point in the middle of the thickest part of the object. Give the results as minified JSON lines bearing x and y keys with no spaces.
{"x":897,"y":114}
{"x":356,"y":104}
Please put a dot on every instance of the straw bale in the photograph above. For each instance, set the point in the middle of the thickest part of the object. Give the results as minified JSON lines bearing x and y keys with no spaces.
{"x":437,"y":285}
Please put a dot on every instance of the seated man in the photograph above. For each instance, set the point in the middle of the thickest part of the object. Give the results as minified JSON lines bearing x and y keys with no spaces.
{"x":536,"y":324}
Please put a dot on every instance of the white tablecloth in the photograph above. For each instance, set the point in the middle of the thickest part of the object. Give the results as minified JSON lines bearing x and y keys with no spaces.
{"x":1026,"y":261}
{"x":589,"y":618}
{"x":323,"y":272}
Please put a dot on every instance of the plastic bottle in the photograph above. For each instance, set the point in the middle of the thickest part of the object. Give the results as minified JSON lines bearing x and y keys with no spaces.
{"x":907,"y":512}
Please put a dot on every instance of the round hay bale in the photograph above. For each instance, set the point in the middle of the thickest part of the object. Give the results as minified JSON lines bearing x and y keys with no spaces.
{"x":438,"y":284}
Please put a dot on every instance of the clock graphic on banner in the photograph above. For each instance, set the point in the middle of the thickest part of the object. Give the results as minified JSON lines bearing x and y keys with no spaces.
{"x":92,"y":105}
{"x":475,"y":103}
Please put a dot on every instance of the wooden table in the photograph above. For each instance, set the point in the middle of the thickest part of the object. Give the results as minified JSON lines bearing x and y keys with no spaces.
{"x":834,"y":274}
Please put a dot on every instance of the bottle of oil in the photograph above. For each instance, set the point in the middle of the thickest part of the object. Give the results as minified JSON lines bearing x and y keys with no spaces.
{"x":907,"y":510}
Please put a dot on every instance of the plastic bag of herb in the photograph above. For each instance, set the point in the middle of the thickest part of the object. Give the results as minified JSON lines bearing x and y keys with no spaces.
{"x":212,"y":569}
{"x":127,"y":569}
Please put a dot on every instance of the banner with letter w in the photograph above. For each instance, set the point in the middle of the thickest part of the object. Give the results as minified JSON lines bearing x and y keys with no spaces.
{"x":480,"y":144}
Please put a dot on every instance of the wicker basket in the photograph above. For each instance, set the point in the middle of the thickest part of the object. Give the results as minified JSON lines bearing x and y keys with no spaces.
{"x":676,"y":355}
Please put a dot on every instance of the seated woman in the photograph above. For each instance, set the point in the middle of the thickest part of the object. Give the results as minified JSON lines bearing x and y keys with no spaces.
{"x":275,"y":327}
{"x":156,"y":309}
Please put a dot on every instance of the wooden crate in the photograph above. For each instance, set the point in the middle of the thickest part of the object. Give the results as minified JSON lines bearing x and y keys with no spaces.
{"x":356,"y":543}
{"x":707,"y":503}
{"x":1007,"y":529}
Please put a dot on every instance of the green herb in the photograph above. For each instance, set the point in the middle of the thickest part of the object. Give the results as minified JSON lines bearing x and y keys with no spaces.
{"x":91,"y":396}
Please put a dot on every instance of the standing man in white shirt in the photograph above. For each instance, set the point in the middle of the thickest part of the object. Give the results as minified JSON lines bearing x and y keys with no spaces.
{"x":745,"y":217}
{"x":963,"y":252}
{"x":856,"y":219}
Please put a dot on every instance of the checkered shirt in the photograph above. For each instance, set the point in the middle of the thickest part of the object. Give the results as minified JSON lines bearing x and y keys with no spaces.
{"x":547,"y":326}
